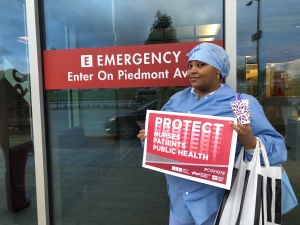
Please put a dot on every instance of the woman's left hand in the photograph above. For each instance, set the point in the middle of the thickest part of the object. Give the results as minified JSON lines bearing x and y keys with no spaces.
{"x":245,"y":135}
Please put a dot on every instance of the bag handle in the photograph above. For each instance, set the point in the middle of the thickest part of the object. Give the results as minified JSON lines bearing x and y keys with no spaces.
{"x":255,"y":155}
{"x":263,"y":151}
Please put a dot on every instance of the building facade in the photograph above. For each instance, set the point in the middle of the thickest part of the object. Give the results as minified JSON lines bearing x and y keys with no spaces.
{"x":69,"y":152}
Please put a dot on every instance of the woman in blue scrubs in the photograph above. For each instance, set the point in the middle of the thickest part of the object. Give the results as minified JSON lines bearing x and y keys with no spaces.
{"x":194,"y":203}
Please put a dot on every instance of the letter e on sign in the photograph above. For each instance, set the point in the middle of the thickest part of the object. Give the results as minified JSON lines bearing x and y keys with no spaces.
{"x":86,"y":61}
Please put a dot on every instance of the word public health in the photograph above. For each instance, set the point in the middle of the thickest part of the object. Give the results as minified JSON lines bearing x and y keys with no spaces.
{"x":136,"y":59}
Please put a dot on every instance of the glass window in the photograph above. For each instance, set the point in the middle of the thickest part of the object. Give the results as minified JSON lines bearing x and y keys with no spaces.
{"x":268,"y":68}
{"x":95,"y":156}
{"x":17,"y":169}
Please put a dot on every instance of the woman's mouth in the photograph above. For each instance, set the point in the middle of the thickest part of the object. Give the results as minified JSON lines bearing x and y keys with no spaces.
{"x":194,"y":78}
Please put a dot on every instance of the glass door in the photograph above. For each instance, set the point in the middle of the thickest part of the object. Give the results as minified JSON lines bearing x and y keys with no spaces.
{"x":96,"y":159}
{"x":268,"y":68}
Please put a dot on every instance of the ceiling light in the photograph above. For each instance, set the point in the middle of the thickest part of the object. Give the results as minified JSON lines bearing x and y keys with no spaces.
{"x":23,"y":39}
{"x":208,"y":29}
{"x":206,"y":39}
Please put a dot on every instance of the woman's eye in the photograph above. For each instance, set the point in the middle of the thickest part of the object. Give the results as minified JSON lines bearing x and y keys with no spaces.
{"x":201,"y":64}
{"x":189,"y":66}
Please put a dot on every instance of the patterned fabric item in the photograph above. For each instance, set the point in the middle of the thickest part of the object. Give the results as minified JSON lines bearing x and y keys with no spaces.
{"x":240,"y":109}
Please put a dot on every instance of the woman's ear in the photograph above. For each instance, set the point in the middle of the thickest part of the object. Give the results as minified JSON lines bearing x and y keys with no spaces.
{"x":218,"y":74}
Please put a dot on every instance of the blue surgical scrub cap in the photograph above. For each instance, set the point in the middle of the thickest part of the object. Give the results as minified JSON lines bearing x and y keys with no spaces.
{"x":213,"y":55}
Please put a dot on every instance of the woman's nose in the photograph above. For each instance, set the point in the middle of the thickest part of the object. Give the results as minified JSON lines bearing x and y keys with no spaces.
{"x":193,"y":69}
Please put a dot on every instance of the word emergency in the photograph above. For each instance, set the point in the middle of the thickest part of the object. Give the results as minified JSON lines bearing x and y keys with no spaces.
{"x":138,"y":58}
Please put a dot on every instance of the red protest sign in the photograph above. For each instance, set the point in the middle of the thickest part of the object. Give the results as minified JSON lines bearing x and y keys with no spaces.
{"x":195,"y":147}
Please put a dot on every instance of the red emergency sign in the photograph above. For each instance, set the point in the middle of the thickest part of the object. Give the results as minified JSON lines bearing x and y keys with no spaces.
{"x":118,"y":66}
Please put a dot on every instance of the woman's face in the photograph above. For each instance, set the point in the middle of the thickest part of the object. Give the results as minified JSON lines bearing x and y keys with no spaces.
{"x":203,"y":77}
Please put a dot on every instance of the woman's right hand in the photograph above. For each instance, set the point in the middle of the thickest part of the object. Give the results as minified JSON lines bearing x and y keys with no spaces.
{"x":142,"y":136}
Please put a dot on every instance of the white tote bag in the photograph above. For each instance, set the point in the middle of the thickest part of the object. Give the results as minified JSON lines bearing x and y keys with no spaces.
{"x":255,"y":195}
{"x":272,"y":190}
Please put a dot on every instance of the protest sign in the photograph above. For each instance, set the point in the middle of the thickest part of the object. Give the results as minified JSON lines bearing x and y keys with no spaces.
{"x":195,"y":147}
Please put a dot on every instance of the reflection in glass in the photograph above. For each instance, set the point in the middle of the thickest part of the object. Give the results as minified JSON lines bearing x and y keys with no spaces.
{"x":270,"y":71}
{"x":162,"y":30}
{"x":164,"y":94}
{"x":17,"y":174}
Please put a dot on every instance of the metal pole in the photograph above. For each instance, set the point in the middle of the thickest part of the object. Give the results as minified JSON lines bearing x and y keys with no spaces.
{"x":261,"y":76}
{"x":258,"y":91}
{"x":38,"y":117}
